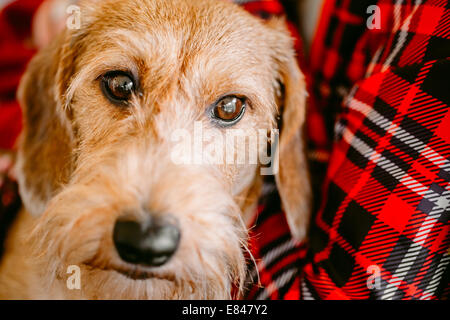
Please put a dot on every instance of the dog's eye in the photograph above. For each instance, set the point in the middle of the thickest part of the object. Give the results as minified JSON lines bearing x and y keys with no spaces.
{"x":117,"y":86}
{"x":229,"y":109}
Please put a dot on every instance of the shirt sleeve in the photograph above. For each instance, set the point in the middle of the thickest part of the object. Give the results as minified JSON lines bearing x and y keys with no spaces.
{"x":382,"y":228}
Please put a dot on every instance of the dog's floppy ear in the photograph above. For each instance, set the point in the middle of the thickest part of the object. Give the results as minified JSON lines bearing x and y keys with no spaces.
{"x":44,"y":158}
{"x":292,"y":178}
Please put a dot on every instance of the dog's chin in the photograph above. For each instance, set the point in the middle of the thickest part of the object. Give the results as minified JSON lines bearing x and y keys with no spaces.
{"x":129,"y":283}
{"x":135,"y":272}
{"x":115,"y":282}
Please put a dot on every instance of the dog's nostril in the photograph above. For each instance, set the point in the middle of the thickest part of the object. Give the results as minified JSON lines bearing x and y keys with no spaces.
{"x":151,"y":245}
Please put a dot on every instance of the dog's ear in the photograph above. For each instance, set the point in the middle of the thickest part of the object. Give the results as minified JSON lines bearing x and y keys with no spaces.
{"x":44,"y":158}
{"x":292,"y":178}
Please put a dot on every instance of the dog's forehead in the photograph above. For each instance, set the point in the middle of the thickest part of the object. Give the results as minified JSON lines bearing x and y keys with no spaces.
{"x":178,"y":28}
{"x":189,"y":16}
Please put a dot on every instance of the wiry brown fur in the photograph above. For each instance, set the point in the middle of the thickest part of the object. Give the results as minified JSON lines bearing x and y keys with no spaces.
{"x":84,"y":162}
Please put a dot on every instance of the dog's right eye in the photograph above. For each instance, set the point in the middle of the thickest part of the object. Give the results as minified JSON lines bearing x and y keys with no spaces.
{"x":117,"y":86}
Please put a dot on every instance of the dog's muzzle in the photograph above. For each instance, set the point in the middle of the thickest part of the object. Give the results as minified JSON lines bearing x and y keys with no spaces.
{"x":148,"y":243}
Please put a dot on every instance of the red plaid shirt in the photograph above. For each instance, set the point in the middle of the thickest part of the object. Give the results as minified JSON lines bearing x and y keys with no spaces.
{"x":381,"y":228}
{"x":379,"y":105}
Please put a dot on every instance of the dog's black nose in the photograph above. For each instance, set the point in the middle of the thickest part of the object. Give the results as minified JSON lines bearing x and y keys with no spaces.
{"x":150,"y":244}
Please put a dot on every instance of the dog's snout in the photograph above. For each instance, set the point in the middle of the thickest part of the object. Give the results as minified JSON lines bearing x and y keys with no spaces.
{"x":151,"y":244}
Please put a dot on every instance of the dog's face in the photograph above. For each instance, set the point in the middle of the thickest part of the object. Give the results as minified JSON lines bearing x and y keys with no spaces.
{"x":103,"y":108}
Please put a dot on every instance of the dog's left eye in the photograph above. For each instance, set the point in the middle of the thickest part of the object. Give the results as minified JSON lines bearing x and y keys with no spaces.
{"x":117,"y":86}
{"x":229,"y":110}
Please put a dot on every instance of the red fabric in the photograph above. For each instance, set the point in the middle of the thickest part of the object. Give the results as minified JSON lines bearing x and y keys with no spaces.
{"x":15,"y":52}
{"x":382,"y":97}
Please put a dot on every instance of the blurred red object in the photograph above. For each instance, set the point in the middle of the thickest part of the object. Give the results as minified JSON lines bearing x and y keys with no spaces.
{"x":15,"y":52}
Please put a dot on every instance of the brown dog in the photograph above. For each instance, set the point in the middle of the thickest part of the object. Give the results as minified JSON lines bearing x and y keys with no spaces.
{"x":100,"y":188}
